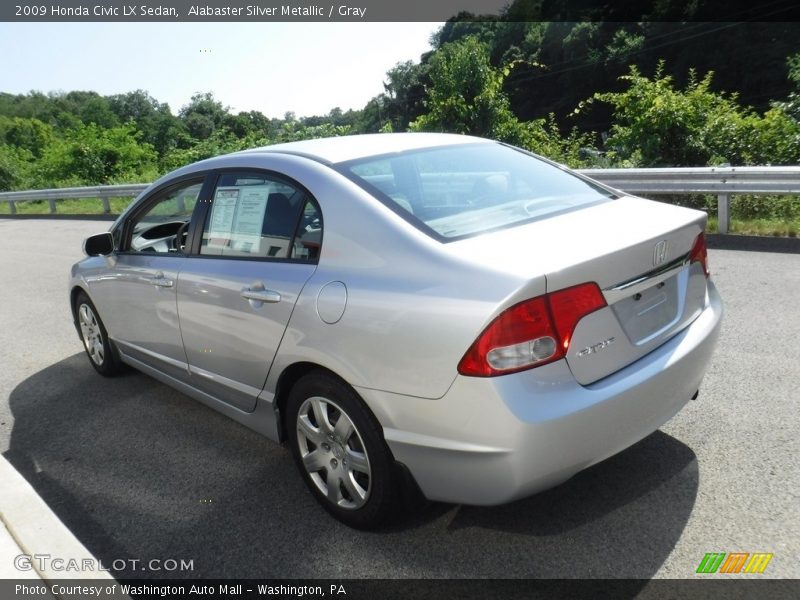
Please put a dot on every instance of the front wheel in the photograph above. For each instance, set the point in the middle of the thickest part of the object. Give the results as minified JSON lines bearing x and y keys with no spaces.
{"x":95,"y":338}
{"x":338,"y":447}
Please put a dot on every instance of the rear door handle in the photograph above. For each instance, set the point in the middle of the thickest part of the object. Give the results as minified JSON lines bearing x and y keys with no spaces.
{"x":159,"y":280}
{"x":261,"y":295}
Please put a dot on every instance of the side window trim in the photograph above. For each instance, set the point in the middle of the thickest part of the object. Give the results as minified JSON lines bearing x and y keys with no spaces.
{"x":296,"y":228}
{"x":200,"y":214}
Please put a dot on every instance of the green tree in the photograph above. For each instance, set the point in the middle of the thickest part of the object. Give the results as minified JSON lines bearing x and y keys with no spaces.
{"x":467,"y":96}
{"x":405,"y":93}
{"x":203,"y":115}
{"x":83,"y":106}
{"x":158,"y":126}
{"x":28,"y":134}
{"x":91,"y":155}
{"x":466,"y":93}
{"x":14,"y":167}
{"x":247,"y":123}
{"x":374,"y":116}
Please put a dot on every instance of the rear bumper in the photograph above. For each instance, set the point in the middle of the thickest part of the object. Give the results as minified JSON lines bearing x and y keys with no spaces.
{"x":493,"y":440}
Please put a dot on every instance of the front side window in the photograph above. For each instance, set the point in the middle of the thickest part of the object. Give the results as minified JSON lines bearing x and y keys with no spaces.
{"x":457,"y":191}
{"x":163,"y":226}
{"x":259,"y":216}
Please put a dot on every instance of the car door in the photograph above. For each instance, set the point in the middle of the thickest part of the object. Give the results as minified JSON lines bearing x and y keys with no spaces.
{"x":138,"y":292}
{"x":257,"y":248}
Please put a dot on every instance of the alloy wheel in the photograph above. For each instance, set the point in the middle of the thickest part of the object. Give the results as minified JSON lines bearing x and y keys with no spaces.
{"x":91,"y":334}
{"x":333,"y":453}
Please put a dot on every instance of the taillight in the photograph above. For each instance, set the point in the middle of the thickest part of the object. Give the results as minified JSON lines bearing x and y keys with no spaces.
{"x":572,"y":304}
{"x":699,"y":253}
{"x":532,"y":333}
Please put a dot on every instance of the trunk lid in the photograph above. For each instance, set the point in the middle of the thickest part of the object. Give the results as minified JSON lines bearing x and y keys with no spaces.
{"x":635,"y":250}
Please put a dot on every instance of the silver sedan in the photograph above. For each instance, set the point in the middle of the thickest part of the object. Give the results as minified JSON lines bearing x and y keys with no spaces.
{"x":431,"y":312}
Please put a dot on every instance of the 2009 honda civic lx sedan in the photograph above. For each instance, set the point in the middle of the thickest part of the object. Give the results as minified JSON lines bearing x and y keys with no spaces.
{"x":431,"y":310}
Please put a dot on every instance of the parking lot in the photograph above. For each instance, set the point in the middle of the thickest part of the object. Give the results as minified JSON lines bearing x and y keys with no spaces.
{"x":140,"y":472}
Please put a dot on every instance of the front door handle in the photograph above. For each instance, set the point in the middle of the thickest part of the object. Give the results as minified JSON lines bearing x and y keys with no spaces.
{"x":259,"y":294}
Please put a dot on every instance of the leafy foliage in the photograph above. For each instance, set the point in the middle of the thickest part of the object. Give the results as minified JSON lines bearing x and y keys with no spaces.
{"x":656,"y":124}
{"x":515,"y":78}
{"x":25,"y":134}
{"x":589,"y":54}
{"x":153,"y":119}
{"x":14,"y":163}
{"x":466,"y":96}
{"x":92,"y":155}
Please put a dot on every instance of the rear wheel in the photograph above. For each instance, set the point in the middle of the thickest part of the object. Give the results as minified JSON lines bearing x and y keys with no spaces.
{"x":338,"y":447}
{"x":95,"y":338}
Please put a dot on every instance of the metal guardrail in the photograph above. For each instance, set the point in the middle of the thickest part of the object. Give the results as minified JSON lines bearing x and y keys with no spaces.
{"x":722,"y":181}
{"x":103,"y":192}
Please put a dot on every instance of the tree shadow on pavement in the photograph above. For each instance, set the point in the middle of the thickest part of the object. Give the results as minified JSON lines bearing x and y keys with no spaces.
{"x":139,"y":471}
{"x":754,"y":243}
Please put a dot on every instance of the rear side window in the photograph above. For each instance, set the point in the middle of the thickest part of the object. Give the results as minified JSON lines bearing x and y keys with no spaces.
{"x":308,"y":241}
{"x":457,"y":191}
{"x":257,"y":217}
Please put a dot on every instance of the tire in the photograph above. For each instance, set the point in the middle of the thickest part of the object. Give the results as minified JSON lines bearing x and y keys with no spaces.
{"x":338,"y":447}
{"x":101,"y":353}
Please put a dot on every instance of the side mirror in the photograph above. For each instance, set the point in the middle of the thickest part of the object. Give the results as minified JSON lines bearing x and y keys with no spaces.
{"x":100,"y":244}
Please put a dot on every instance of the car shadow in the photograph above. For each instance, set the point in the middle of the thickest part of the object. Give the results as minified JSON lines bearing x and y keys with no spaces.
{"x":140,"y":472}
{"x":620,"y":518}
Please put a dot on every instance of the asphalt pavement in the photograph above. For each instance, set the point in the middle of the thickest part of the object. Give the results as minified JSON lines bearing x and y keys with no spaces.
{"x":141,"y":473}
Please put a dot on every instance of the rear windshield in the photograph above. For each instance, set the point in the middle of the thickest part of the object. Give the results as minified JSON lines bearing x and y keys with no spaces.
{"x":464,"y":190}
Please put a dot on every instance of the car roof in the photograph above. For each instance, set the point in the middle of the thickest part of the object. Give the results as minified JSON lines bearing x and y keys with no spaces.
{"x":350,"y":147}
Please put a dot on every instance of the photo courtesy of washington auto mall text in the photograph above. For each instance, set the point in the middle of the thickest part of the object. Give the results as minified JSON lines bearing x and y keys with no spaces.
{"x":80,"y":590}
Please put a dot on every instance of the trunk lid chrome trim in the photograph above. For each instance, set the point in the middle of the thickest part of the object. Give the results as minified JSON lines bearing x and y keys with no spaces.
{"x":622,"y":290}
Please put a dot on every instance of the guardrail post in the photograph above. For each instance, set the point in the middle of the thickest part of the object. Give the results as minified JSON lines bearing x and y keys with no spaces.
{"x":52,"y":203}
{"x":12,"y":207}
{"x":106,"y":204}
{"x":723,"y":212}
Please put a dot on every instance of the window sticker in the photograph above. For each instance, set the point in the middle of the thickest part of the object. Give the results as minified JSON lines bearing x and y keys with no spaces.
{"x":222,"y":214}
{"x":249,"y":219}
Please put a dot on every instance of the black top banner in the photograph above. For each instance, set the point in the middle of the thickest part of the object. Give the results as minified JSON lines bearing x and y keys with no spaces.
{"x":405,"y":10}
{"x":244,"y":10}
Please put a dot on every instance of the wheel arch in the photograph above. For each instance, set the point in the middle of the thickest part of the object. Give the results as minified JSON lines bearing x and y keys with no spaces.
{"x":73,"y":296}
{"x":286,"y":381}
